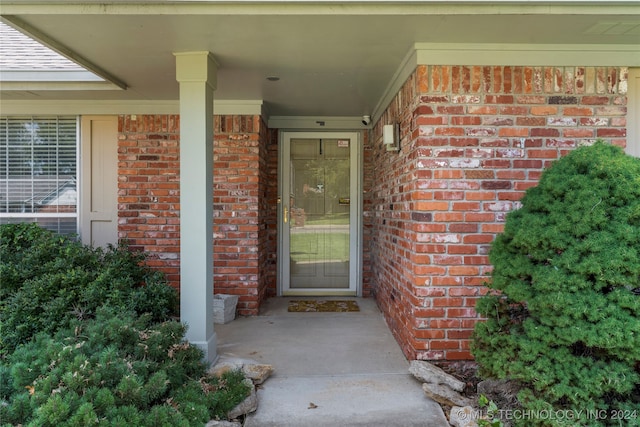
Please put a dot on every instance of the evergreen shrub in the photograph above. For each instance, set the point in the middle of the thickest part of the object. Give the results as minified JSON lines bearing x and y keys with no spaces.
{"x":87,"y":338}
{"x":563,"y":311}
{"x":48,"y":280}
{"x":115,"y":370}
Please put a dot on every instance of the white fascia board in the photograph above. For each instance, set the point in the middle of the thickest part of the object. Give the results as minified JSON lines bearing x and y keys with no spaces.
{"x":48,"y":76}
{"x":56,"y":85}
{"x":326,"y":7}
{"x":238,"y":107}
{"x":316,"y":123}
{"x":527,"y":54}
{"x":97,"y":107}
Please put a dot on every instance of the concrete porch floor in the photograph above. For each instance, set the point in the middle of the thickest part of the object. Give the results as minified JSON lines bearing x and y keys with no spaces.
{"x":341,"y":369}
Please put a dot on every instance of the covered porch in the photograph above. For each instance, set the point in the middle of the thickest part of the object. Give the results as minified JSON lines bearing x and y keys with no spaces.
{"x":483,"y":96}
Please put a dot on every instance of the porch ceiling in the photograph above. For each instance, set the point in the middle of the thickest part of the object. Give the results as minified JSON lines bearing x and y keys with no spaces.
{"x":332,"y":58}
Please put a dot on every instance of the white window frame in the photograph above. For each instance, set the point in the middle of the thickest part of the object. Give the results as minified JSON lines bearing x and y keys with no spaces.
{"x":15,"y":217}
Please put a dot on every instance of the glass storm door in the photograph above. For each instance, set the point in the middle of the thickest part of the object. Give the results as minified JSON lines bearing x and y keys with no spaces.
{"x":319,"y":235}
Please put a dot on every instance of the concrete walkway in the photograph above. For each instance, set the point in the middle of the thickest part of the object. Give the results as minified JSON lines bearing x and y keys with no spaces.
{"x":330,"y":369}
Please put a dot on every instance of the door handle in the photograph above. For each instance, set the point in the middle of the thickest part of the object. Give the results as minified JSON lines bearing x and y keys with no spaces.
{"x":286,"y":214}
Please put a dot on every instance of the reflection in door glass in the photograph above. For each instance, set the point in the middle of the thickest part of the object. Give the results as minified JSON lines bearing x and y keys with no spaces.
{"x":319,"y":226}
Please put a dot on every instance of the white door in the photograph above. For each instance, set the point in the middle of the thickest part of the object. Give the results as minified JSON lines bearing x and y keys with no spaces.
{"x":99,"y":180}
{"x":320,"y":210}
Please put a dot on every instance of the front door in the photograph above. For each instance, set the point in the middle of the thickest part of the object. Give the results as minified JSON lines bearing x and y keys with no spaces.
{"x":319,"y":213}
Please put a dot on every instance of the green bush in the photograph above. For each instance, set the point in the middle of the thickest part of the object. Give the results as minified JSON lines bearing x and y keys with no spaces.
{"x":86,"y":338}
{"x":49,"y":280}
{"x":563,"y":316}
{"x":116,"y":369}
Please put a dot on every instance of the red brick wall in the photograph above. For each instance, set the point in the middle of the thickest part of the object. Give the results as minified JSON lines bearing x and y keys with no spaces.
{"x":474,"y":139}
{"x":271,"y":185}
{"x":149,"y":200}
{"x":240,"y":235}
{"x":149,"y":189}
{"x":368,"y":216}
{"x":268,"y":213}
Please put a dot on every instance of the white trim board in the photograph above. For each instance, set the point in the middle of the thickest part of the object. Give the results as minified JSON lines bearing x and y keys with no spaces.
{"x":97,"y":107}
{"x":588,"y":55}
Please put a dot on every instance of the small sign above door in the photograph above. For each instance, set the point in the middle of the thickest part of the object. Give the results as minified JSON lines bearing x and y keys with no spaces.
{"x":343,"y":143}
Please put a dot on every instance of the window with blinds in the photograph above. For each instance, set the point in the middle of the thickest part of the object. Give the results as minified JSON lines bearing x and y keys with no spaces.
{"x":38,"y":172}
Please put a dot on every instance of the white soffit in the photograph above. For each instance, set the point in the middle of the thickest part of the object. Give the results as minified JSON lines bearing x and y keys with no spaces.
{"x":359,"y":68}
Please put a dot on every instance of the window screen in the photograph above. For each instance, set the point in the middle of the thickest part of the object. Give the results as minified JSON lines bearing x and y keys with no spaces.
{"x":38,"y":172}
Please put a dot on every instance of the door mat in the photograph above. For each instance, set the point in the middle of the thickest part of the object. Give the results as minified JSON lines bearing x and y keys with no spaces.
{"x":322,"y":306}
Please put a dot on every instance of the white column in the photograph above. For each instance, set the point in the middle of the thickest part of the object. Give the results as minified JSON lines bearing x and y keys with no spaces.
{"x":196,"y":74}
